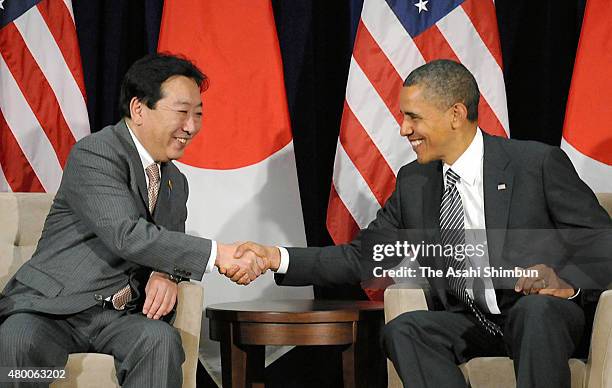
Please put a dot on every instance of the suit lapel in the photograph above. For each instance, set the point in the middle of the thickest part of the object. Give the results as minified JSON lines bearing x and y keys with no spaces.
{"x":498,"y":182}
{"x":162,"y":206}
{"x":431,"y":198}
{"x":136,"y":164}
{"x":431,"y":193}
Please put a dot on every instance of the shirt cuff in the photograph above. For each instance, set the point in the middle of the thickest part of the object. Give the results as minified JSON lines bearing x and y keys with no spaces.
{"x":575,"y":295}
{"x":284,"y":261}
{"x":211,"y":259}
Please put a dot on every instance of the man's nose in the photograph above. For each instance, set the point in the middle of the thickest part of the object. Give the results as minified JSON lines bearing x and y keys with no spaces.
{"x":192,"y":124}
{"x":406,"y":128}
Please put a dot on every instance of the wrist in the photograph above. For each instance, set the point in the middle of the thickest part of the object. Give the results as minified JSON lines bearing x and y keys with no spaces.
{"x":221,"y":248}
{"x":275,"y":258}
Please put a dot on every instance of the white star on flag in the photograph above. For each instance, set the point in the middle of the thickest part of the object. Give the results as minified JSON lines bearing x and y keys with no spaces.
{"x":422,"y":5}
{"x":1,"y":4}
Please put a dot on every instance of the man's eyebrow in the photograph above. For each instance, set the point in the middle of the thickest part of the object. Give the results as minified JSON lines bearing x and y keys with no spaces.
{"x":411,"y":114}
{"x":187,"y":103}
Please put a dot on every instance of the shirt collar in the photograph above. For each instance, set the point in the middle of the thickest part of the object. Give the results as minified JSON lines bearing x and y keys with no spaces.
{"x":145,"y":157}
{"x":468,"y":164}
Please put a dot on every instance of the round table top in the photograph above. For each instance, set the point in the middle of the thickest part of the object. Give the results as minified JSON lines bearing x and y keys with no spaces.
{"x":295,"y":311}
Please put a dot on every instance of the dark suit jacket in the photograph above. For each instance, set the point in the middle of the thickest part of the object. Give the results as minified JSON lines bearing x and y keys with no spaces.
{"x":542,"y":191}
{"x":99,"y":234}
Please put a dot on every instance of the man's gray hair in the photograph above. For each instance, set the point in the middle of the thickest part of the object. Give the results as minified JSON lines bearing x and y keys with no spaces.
{"x":445,"y":83}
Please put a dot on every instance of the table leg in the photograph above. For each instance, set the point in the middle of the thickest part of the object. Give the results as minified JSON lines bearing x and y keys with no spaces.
{"x":355,"y":358}
{"x":256,"y":366}
{"x":241,"y":366}
{"x":348,"y":366}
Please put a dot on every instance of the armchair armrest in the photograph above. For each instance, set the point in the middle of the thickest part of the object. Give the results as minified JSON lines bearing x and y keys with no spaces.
{"x":400,"y":299}
{"x":599,"y":364}
{"x":188,"y":322}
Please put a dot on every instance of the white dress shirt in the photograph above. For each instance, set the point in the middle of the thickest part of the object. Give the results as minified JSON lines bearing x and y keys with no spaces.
{"x":147,"y":160}
{"x":469,"y":167}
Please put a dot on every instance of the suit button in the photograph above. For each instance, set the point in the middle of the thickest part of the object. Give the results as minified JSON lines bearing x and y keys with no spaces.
{"x":98,"y":297}
{"x":187,"y":274}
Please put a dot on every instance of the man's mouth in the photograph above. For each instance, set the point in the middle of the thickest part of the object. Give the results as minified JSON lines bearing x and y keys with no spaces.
{"x":416,"y":143}
{"x":181,"y":140}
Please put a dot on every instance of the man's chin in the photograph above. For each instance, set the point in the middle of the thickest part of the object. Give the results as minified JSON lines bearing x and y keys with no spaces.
{"x":422,"y":159}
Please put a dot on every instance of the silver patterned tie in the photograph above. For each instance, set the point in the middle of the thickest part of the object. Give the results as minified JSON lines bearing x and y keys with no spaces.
{"x":452,"y":232}
{"x":153,"y":189}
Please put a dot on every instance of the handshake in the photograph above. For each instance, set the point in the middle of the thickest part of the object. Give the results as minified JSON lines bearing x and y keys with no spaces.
{"x":245,"y":262}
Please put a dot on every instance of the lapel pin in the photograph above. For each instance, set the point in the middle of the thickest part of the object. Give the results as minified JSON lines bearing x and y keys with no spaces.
{"x":501,"y":186}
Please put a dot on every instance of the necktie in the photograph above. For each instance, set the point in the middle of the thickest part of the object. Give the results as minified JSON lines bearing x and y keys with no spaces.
{"x":452,"y":232}
{"x":153,"y":189}
{"x":123,"y":296}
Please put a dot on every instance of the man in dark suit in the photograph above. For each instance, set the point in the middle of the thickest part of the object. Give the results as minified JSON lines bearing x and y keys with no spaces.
{"x":113,"y":245}
{"x":465,"y":180}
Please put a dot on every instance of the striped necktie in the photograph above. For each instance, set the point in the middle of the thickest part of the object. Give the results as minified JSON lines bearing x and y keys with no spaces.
{"x":452,"y":232}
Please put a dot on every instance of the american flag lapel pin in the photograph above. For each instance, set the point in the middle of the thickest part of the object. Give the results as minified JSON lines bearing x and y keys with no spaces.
{"x":501,"y":186}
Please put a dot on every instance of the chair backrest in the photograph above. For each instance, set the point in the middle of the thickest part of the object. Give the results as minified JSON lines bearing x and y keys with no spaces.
{"x":22,"y":218}
{"x":605,"y":199}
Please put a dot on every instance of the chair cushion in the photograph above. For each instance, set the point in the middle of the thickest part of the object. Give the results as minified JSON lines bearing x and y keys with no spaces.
{"x":23,"y":216}
{"x":499,"y":372}
{"x":89,"y":370}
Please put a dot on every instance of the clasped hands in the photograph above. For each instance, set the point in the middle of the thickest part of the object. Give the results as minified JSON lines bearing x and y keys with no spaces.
{"x":546,"y":283}
{"x":244,"y":262}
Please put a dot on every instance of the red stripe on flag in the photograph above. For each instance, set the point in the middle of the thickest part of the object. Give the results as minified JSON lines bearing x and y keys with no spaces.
{"x":381,"y":73}
{"x":366,"y":157}
{"x":433,"y":45}
{"x":16,"y":167}
{"x":58,"y":19}
{"x":488,"y":121}
{"x":340,"y":223}
{"x":36,"y":90}
{"x":483,"y":17}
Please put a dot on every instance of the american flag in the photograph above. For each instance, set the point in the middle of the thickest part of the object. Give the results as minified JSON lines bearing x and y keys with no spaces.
{"x":393,"y":38}
{"x":42,"y":93}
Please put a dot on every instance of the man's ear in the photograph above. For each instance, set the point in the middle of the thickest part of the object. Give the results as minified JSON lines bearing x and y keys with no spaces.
{"x":136,"y":110}
{"x":459,"y":115}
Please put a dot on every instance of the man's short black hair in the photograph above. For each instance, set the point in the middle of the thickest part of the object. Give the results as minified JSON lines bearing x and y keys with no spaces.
{"x":144,"y":78}
{"x":445,"y":83}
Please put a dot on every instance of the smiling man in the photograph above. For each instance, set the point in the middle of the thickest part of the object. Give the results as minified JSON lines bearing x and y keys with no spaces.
{"x":465,"y":180}
{"x":113,"y":245}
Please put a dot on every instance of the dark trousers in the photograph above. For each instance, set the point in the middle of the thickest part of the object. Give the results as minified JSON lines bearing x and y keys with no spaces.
{"x":148,"y":353}
{"x":540,"y":334}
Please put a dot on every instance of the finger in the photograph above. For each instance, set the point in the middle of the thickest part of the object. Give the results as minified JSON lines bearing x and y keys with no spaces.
{"x":530,"y":286}
{"x":238,"y":275}
{"x":150,"y":297}
{"x":263,"y":264}
{"x":174,"y":300}
{"x":232,"y":270}
{"x":165,"y":306}
{"x":548,"y":291}
{"x":159,"y":298}
{"x":255,"y":268}
{"x":518,"y":287}
{"x":245,"y":280}
{"x":251,"y":246}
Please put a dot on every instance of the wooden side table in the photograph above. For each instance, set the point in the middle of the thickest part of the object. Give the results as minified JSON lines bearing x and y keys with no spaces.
{"x":245,"y":328}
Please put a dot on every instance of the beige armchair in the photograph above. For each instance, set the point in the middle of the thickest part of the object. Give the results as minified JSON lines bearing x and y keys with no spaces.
{"x":23,"y":216}
{"x":499,"y":371}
